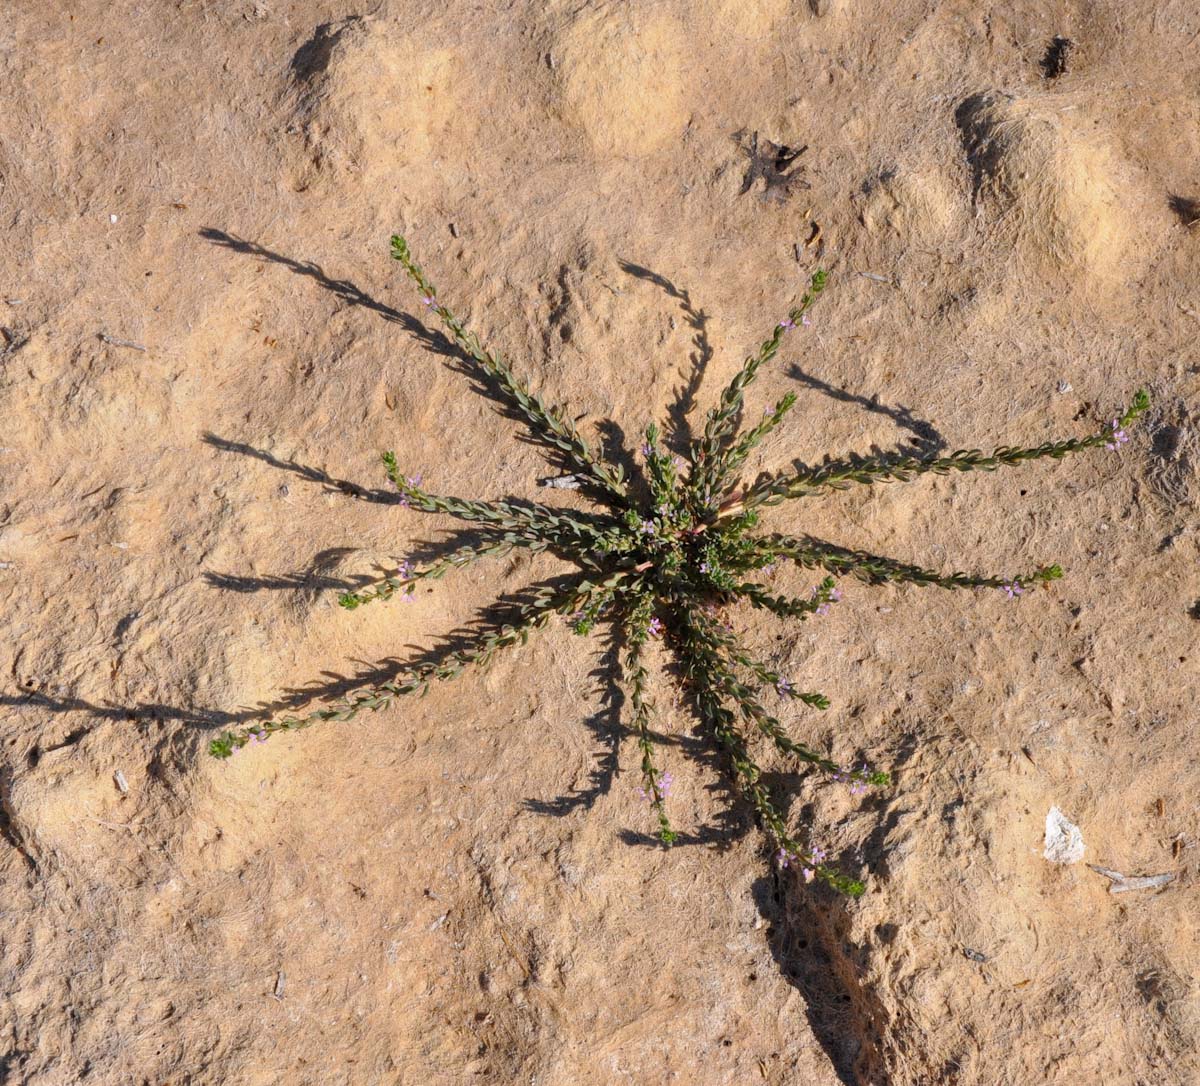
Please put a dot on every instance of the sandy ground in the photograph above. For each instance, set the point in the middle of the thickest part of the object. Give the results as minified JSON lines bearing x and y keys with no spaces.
{"x":459,"y":890}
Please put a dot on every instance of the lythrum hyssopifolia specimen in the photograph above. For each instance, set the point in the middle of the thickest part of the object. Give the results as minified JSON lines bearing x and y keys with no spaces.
{"x":665,"y":556}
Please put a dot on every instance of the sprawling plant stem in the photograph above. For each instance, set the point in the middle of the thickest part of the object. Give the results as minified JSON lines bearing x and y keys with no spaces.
{"x":709,"y":466}
{"x":637,"y":633}
{"x":772,"y":491}
{"x":529,"y":617}
{"x":814,"y":553}
{"x":769,"y":677}
{"x":758,"y":596}
{"x":405,"y":579}
{"x":558,"y":524}
{"x":711,"y":684}
{"x":547,"y":424}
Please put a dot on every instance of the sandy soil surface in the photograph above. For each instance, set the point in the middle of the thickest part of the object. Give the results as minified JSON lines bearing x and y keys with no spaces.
{"x":459,"y":890}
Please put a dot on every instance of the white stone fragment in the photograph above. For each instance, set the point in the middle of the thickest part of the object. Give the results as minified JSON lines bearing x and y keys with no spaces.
{"x":1064,"y":842}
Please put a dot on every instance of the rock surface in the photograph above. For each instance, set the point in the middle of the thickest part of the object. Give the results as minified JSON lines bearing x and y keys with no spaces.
{"x":457,"y":890}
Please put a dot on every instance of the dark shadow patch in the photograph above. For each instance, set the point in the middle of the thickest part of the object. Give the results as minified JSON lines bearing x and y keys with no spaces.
{"x":982,"y":138}
{"x":927,"y":440}
{"x":809,"y":940}
{"x":304,"y":471}
{"x":606,"y":728}
{"x":310,"y":581}
{"x":774,"y":164}
{"x":1186,"y":209}
{"x":1056,"y":60}
{"x":434,"y":341}
{"x":678,"y":436}
{"x":312,"y":58}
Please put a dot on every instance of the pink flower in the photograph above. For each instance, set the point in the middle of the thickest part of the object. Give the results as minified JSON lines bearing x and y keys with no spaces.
{"x":413,"y":481}
{"x":1119,"y":436}
{"x":655,"y":628}
{"x":1013,"y":589}
{"x":665,"y":781}
{"x":429,"y":300}
{"x":808,"y":874}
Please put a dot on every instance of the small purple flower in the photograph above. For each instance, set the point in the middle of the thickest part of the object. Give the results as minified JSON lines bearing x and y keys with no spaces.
{"x":1013,"y":589}
{"x":770,"y":567}
{"x":703,"y":567}
{"x":413,"y":481}
{"x":259,"y":736}
{"x":784,"y":686}
{"x":1119,"y":436}
{"x":825,"y":596}
{"x":655,"y":628}
{"x":784,"y":858}
{"x":647,"y":527}
{"x":665,"y":781}
{"x":857,"y":788}
{"x":818,"y":855}
{"x":429,"y":300}
{"x":647,"y":449}
{"x":805,"y":321}
{"x":787,"y":324}
{"x":808,"y":873}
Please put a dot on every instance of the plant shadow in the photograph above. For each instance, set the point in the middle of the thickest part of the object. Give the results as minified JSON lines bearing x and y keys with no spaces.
{"x":605,"y":724}
{"x":482,"y":383}
{"x":679,"y":434}
{"x":838,"y":1007}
